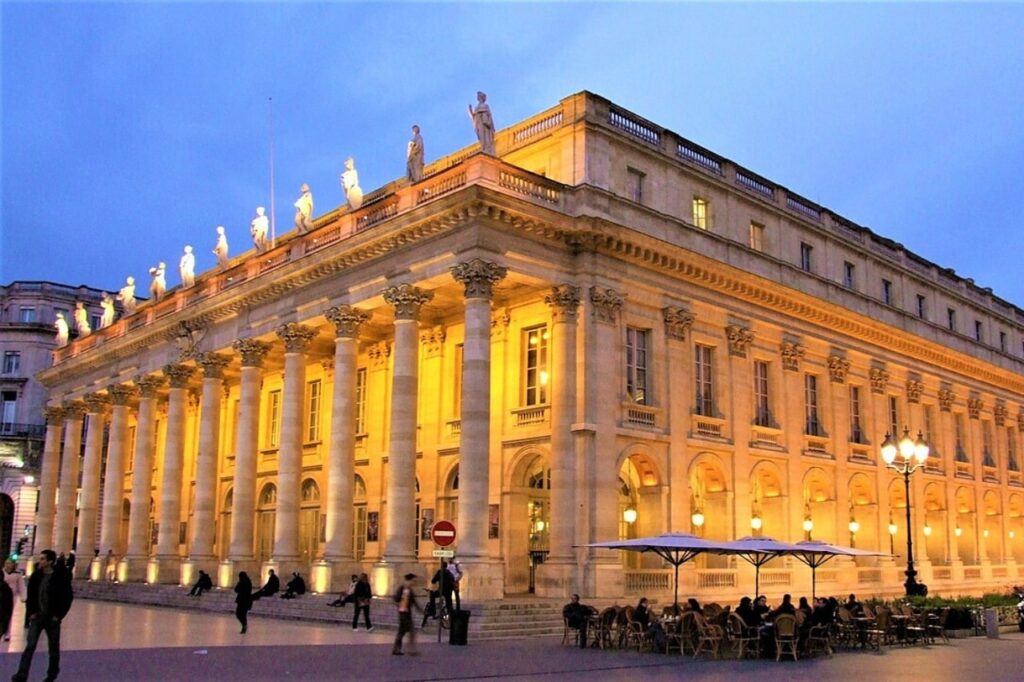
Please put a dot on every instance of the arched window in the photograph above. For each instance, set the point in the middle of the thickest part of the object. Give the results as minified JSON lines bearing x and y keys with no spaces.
{"x":310,"y":491}
{"x":268,"y":496}
{"x":229,"y":500}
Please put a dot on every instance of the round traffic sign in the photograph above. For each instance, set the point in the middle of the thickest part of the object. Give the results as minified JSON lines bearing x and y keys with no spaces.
{"x":443,"y":533}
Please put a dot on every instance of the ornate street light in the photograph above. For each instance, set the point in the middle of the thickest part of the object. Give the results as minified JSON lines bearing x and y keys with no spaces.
{"x":906,"y":457}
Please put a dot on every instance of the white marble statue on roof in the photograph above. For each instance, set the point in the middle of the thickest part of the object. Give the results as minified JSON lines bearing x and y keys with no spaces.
{"x":107,"y":304}
{"x":62,"y":330}
{"x":126,"y":296}
{"x":350,"y":183}
{"x":304,"y":210}
{"x":414,"y":156}
{"x":82,"y":320}
{"x":260,"y":228}
{"x":187,"y":267}
{"x":158,"y":286}
{"x":483,"y":123}
{"x":220,"y":249}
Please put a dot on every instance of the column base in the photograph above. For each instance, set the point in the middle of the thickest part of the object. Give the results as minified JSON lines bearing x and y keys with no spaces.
{"x":556,"y":579}
{"x":333,"y":574}
{"x":603,"y":579}
{"x":482,"y":579}
{"x":386,"y":576}
{"x":986,"y":569}
{"x":97,"y":569}
{"x":132,"y":569}
{"x":164,"y":570}
{"x":190,"y":569}
{"x":284,"y":569}
{"x":228,"y":570}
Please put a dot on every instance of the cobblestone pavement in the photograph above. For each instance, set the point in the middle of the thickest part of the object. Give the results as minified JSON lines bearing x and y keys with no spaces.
{"x":104,"y":641}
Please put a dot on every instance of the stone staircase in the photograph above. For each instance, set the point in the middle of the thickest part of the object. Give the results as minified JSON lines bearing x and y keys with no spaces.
{"x":511,"y":618}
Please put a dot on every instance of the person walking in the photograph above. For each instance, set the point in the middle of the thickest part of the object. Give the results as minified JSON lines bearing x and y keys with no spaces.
{"x":243,"y":600}
{"x":405,"y":598}
{"x":16,"y":582}
{"x":455,"y":568}
{"x":49,"y":600}
{"x":363,"y":595}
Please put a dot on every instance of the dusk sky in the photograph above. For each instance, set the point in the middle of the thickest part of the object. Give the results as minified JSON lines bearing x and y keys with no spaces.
{"x":130,"y":130}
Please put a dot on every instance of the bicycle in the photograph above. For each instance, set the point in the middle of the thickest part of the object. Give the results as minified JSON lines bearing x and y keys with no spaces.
{"x":437,"y":609}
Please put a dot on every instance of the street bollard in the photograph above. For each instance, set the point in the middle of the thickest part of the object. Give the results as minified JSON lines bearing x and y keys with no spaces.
{"x":991,"y":623}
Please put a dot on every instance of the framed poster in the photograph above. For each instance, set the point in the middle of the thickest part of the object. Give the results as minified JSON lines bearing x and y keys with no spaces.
{"x":182,"y":533}
{"x":493,"y":511}
{"x":425,"y":524}
{"x":372,"y":521}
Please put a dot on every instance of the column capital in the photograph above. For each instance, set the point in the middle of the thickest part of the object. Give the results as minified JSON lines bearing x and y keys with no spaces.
{"x":479,"y":277}
{"x":946,"y":399}
{"x":54,"y":414}
{"x":792,"y":353}
{"x":677,"y":322}
{"x":739,"y":339}
{"x":838,"y":367}
{"x":999,"y":412}
{"x":915,"y":387}
{"x":120,"y":394}
{"x":179,"y":375}
{"x":879,"y":379}
{"x":296,"y":337}
{"x":149,"y":385}
{"x":407,"y":300}
{"x":213,"y":364}
{"x":607,"y":304}
{"x":346,"y":319}
{"x":96,"y":403}
{"x":564,"y":300}
{"x":252,"y":351}
{"x":974,"y":406}
{"x":379,"y":354}
{"x":433,"y":340}
{"x":74,"y":409}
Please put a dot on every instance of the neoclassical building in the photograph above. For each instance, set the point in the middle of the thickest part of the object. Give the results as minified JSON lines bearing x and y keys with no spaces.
{"x":603,"y":331}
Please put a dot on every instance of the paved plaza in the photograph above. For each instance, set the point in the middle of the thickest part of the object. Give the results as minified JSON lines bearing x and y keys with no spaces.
{"x":105,"y":641}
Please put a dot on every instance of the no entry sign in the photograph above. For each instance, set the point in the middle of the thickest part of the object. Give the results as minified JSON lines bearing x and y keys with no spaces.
{"x":443,"y":533}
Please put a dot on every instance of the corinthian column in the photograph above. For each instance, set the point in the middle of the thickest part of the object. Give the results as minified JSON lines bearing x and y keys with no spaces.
{"x":135,"y":560}
{"x":168,"y":554}
{"x":296,"y":339}
{"x":341,"y":456}
{"x":478,"y":277}
{"x":401,"y":522}
{"x":65,"y":534}
{"x":113,"y":478}
{"x":240,"y":554}
{"x":96,"y":407}
{"x":203,"y":522}
{"x":49,"y":471}
{"x":557,"y":570}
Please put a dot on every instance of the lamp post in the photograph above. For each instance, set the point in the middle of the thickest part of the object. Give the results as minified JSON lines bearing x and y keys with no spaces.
{"x":906,"y":457}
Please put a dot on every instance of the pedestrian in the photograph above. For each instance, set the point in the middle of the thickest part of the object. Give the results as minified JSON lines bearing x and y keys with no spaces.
{"x":243,"y":600}
{"x":72,"y":560}
{"x":455,"y":568}
{"x":203,"y":583}
{"x":49,"y":600}
{"x":16,"y":581}
{"x":405,"y":598}
{"x":364,"y":595}
{"x":111,"y":566}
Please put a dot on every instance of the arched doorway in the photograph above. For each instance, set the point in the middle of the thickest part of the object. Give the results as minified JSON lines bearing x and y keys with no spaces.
{"x":767,"y":502}
{"x":710,"y":516}
{"x":964,"y":530}
{"x":819,"y":506}
{"x":266,"y":518}
{"x":862,"y":525}
{"x":6,"y":523}
{"x":528,"y":520}
{"x":448,"y":503}
{"x":224,"y":536}
{"x":935,"y":516}
{"x":992,"y":526}
{"x":640,"y":505}
{"x":309,"y":521}
{"x":1015,"y":528}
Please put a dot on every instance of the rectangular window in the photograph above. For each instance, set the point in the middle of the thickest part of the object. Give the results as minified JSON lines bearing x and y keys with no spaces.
{"x":636,"y":365}
{"x":894,"y":417}
{"x":929,"y":431}
{"x":701,"y":213}
{"x":27,"y":315}
{"x":704,"y":380}
{"x":922,"y":308}
{"x":848,"y":273}
{"x":813,"y":425}
{"x":273,"y":419}
{"x":958,"y":433}
{"x":535,"y":366}
{"x":1002,"y":341}
{"x":94,"y":322}
{"x":886,"y":292}
{"x":12,"y":361}
{"x":313,"y":411}
{"x":361,"y":400}
{"x":856,"y":426}
{"x":762,"y":399}
{"x":977,"y":331}
{"x":805,"y":256}
{"x":951,"y":319}
{"x":8,"y":409}
{"x":636,"y":185}
{"x":1011,"y":450}
{"x":756,"y":236}
{"x":987,"y":457}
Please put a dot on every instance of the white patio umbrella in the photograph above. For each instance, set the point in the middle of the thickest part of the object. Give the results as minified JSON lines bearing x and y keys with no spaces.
{"x":758,"y":551}
{"x":675,"y":548}
{"x":814,"y":553}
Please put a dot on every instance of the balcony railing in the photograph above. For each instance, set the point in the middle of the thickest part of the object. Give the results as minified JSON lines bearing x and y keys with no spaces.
{"x":776,"y":577}
{"x":869,"y":575}
{"x":716,"y":578}
{"x":648,"y":581}
{"x":972,"y":573}
{"x":528,"y":416}
{"x":640,"y":415}
{"x":23,"y":430}
{"x":761,"y":436}
{"x":707,"y":427}
{"x":942,"y":573}
{"x":816,"y":445}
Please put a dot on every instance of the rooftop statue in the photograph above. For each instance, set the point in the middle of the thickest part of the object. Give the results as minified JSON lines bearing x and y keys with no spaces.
{"x":220,"y":249}
{"x":259,"y":228}
{"x":62,"y":330}
{"x":304,"y":210}
{"x":350,"y":183}
{"x":414,"y":156}
{"x":82,"y":319}
{"x":159,"y":284}
{"x":107,"y":303}
{"x":127,"y":296}
{"x":483,"y":123}
{"x":187,"y":267}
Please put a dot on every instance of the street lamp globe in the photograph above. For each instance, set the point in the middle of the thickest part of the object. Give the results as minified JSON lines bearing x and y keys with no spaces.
{"x":893,"y":528}
{"x":629,"y":515}
{"x":854,"y":526}
{"x":921,"y":449}
{"x":755,"y":522}
{"x":888,"y":449}
{"x":907,"y":446}
{"x":808,"y":525}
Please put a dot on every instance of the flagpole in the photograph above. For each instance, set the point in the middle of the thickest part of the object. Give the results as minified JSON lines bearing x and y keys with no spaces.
{"x":273,"y":213}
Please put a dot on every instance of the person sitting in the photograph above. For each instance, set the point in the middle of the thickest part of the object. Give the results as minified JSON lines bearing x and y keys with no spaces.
{"x":694,"y":605}
{"x":576,"y":616}
{"x":804,"y":606}
{"x":348,"y":595}
{"x":785,"y":608}
{"x":761,"y":609}
{"x":203,"y":583}
{"x":642,"y":613}
{"x":823,"y":613}
{"x":296,"y":587}
{"x":270,"y":588}
{"x":853,"y":606}
{"x":746,"y":611}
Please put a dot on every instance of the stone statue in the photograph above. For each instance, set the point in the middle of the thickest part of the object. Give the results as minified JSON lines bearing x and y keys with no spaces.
{"x":127,"y":296}
{"x":259,"y":228}
{"x":304,"y":210}
{"x":414,"y":156}
{"x":187,"y":268}
{"x":107,"y":303}
{"x":221,"y":248}
{"x":159,"y":284}
{"x":62,"y":330}
{"x":350,"y":183}
{"x":483,"y":123}
{"x":82,"y":320}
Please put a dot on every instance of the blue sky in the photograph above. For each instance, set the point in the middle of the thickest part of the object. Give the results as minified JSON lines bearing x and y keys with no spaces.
{"x":130,"y":130}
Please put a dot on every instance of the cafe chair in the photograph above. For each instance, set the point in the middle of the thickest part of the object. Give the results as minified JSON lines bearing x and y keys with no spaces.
{"x":743,"y":636}
{"x":785,"y":637}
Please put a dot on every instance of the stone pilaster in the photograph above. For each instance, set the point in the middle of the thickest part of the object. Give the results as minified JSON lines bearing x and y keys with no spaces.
{"x":203,"y":520}
{"x":64,"y":534}
{"x":133,"y":566}
{"x":96,"y":407}
{"x":48,"y":475}
{"x":113,"y":477}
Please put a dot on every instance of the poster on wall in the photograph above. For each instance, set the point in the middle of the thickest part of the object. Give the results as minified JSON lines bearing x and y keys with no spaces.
{"x":372,"y":519}
{"x":492,"y":521}
{"x":426,"y":522}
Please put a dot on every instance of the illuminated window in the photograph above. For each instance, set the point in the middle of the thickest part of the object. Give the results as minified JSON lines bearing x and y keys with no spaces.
{"x":535,"y":366}
{"x":886,"y":292}
{"x":762,"y":399}
{"x":894,"y":417}
{"x":313,"y":411}
{"x":636,"y":365}
{"x":361,"y":400}
{"x":756,"y":236}
{"x":813,"y":423}
{"x":987,"y":457}
{"x":856,"y":425}
{"x":274,"y":419}
{"x":1011,"y":450}
{"x":701,"y":213}
{"x":958,"y":432}
{"x":805,"y":256}
{"x":704,"y":380}
{"x":848,"y":275}
{"x":636,"y":184}
{"x":929,"y":431}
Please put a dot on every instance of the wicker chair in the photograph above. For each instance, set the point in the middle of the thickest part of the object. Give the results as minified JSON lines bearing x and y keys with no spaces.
{"x":819,"y":639}
{"x":743,"y":636}
{"x":881,"y":631}
{"x":607,"y":632}
{"x":709,"y":636}
{"x":785,"y":637}
{"x":935,"y":626}
{"x":846,"y":628}
{"x":914,"y":627}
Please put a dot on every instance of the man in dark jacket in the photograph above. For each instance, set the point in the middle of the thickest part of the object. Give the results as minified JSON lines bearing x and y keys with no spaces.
{"x":270,"y":588}
{"x":49,"y":600}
